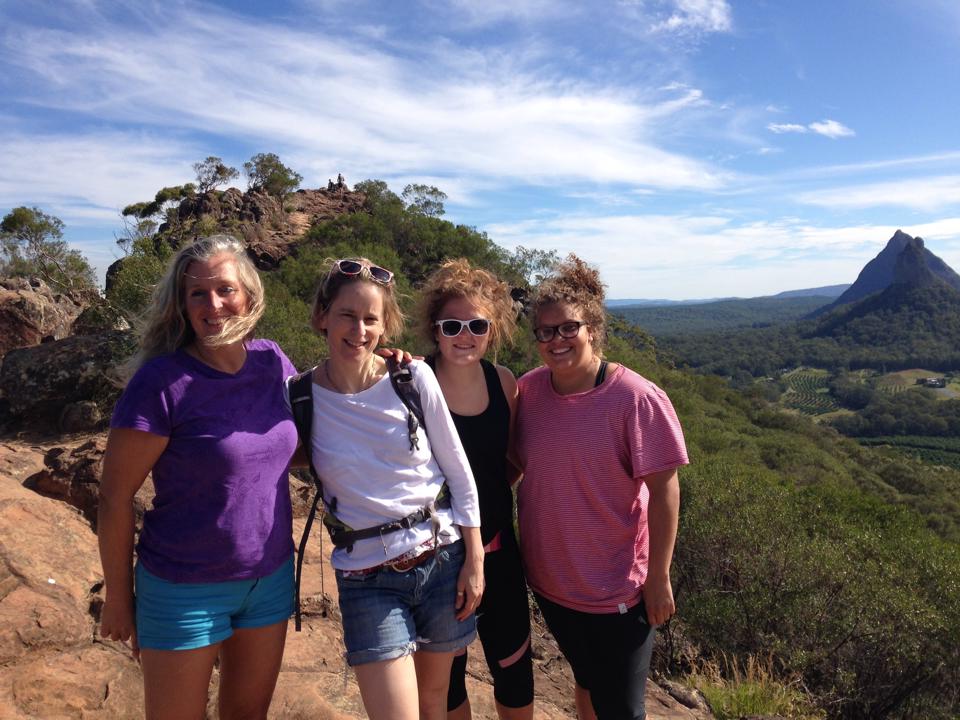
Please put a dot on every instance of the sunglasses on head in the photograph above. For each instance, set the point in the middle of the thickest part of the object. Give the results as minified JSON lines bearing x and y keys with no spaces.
{"x":566,"y":330}
{"x":355,"y":267}
{"x":452,"y":328}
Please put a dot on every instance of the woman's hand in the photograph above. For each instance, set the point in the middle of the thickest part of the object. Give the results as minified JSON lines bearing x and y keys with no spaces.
{"x":118,"y":622}
{"x":401,"y":356}
{"x":470,"y":583}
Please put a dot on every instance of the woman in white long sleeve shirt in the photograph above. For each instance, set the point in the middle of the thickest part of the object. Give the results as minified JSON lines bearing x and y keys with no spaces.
{"x":407,"y":595}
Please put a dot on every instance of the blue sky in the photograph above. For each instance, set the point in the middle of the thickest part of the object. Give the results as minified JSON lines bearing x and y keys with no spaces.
{"x":689,"y":148}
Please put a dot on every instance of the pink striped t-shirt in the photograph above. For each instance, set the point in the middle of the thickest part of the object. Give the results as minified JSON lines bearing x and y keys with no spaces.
{"x":582,"y":504}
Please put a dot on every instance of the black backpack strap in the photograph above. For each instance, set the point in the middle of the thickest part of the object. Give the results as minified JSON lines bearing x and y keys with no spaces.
{"x":301,"y":404}
{"x":402,"y":380}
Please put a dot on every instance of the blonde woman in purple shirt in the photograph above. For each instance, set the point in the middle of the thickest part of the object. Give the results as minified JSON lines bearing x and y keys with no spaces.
{"x":204,"y":413}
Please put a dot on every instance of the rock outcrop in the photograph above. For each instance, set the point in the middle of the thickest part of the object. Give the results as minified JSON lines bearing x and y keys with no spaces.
{"x":30,"y":312}
{"x":879,"y":273}
{"x":40,"y":383}
{"x":269,"y":226}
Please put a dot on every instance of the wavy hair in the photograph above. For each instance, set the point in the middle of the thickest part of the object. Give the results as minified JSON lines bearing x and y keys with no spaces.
{"x":331,"y":284}
{"x":577,"y":284}
{"x":165,"y":328}
{"x":459,"y":279}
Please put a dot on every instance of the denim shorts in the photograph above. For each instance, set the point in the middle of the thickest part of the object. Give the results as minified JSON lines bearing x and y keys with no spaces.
{"x":184,"y":616}
{"x":389,"y":614}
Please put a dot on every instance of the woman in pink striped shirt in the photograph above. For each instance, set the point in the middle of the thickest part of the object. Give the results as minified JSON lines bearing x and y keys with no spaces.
{"x":599,"y":501}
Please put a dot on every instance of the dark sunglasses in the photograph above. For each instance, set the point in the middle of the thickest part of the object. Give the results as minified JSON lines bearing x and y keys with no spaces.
{"x":452,"y":328}
{"x":355,"y":267}
{"x":567,"y":330}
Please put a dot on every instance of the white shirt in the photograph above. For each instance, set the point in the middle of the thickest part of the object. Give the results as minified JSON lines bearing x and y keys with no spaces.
{"x":361,"y":449}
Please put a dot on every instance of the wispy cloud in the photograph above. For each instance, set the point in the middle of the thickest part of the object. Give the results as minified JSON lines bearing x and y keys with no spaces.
{"x":332,"y":106}
{"x":698,"y":16}
{"x":931,"y":193}
{"x":831,"y":129}
{"x":828,"y":128}
{"x":654,"y":255}
{"x":781,"y":128}
{"x":89,"y":178}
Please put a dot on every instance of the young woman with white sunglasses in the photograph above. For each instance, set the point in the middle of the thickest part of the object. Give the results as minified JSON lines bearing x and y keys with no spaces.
{"x":465,"y":313}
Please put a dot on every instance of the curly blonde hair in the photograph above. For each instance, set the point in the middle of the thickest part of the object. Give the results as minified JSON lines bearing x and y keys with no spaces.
{"x":459,"y":279}
{"x":165,"y":327}
{"x":577,"y":284}
{"x":331,"y":284}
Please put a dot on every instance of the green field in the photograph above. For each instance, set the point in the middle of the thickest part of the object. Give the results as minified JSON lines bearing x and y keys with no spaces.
{"x":807,"y":392}
{"x":933,"y":450}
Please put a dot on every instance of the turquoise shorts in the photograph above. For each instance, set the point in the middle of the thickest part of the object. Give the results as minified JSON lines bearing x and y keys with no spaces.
{"x":184,"y":616}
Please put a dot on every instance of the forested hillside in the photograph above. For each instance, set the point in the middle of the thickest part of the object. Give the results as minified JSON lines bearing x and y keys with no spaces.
{"x":721,"y":315}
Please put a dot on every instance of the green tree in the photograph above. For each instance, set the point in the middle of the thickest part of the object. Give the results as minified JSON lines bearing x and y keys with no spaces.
{"x":32,"y":244}
{"x":265,"y":172}
{"x":424,"y":199}
{"x":165,"y":200}
{"x":212,"y":173}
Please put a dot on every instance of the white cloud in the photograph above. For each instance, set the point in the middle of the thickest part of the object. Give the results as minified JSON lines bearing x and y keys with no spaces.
{"x":930,"y":193}
{"x":329,"y":105}
{"x":88,"y":178}
{"x":831,"y":129}
{"x":688,"y":256}
{"x":493,"y":11}
{"x":781,"y":128}
{"x":699,"y":16}
{"x":828,"y":128}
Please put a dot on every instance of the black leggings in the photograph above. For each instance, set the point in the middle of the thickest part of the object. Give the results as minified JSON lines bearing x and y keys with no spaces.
{"x":609,"y":655}
{"x":503,"y":624}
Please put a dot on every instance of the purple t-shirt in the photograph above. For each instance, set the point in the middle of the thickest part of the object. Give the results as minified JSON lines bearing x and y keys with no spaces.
{"x":222,"y":505}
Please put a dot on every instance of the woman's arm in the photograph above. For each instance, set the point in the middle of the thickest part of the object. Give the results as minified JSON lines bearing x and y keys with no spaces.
{"x":130,"y":455}
{"x":663,"y":514}
{"x":510,"y":390}
{"x":470,"y":583}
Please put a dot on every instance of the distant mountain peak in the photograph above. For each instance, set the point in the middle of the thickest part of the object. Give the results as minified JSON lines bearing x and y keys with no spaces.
{"x":911,"y":267}
{"x":917,"y":268}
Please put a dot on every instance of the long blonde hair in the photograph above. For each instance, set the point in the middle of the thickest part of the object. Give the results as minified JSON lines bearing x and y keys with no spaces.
{"x":165,"y":327}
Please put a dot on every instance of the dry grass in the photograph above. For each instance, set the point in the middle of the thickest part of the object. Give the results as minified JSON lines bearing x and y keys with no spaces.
{"x":736,"y":689}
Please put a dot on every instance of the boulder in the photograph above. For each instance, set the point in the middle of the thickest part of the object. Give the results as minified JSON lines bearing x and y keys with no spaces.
{"x":71,"y":474}
{"x":30,"y":312}
{"x":99,"y":317}
{"x":39,"y":382}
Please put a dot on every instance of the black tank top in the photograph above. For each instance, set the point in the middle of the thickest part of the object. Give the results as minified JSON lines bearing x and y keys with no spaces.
{"x":485,"y":438}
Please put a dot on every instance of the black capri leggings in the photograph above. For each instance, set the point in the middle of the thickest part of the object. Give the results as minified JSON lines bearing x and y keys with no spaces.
{"x":503,"y":624}
{"x":608,"y":653}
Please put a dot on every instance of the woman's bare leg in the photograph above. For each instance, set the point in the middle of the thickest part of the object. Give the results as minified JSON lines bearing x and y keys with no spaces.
{"x":249,"y":664}
{"x":433,"y":679}
{"x":389,"y":689}
{"x":176,"y":683}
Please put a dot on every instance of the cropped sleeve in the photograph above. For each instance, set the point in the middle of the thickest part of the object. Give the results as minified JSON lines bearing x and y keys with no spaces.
{"x":655,"y":435}
{"x":145,"y":404}
{"x":446,"y":447}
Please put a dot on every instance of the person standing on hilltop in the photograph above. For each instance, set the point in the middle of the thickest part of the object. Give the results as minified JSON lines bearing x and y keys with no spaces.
{"x":599,"y":501}
{"x":411,"y":574}
{"x":464,"y":312}
{"x":204,"y":413}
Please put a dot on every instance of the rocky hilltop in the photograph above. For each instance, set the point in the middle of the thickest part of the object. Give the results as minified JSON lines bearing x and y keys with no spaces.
{"x":880,"y":272}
